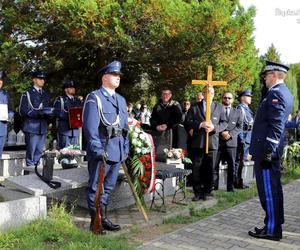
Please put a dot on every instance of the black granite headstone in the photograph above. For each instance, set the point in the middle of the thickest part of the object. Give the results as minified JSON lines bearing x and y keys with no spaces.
{"x":161,"y":141}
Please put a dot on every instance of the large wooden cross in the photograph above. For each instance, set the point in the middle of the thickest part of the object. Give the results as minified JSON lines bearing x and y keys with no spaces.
{"x":208,"y":83}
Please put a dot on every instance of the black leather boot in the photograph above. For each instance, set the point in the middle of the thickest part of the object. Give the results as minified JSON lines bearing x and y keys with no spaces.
{"x":106,"y":223}
{"x":93,"y":215}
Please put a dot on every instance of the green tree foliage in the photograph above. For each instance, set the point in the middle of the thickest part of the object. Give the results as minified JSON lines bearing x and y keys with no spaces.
{"x":272,"y":54}
{"x":160,"y":42}
{"x":292,"y":81}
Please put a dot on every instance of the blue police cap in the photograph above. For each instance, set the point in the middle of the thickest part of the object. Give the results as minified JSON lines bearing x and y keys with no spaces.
{"x":112,"y":68}
{"x":247,"y":92}
{"x":2,"y":75}
{"x":39,"y":74}
{"x":69,"y":84}
{"x":274,"y":66}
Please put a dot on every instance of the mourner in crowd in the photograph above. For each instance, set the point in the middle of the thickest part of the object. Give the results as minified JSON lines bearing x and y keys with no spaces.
{"x":245,"y":98}
{"x":6,"y":113}
{"x":35,"y":109}
{"x":266,"y":149}
{"x":203,"y":164}
{"x":228,"y":140}
{"x":105,"y":123}
{"x":199,"y":97}
{"x":166,"y":114}
{"x":186,"y":107}
{"x":130,"y":110}
{"x":66,"y":135}
{"x":137,"y":112}
{"x":145,"y":116}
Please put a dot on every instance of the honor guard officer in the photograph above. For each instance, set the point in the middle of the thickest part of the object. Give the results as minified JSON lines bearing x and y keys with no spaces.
{"x":244,"y":137}
{"x":35,"y":109}
{"x":105,"y":126}
{"x":266,"y":149}
{"x":66,"y":135}
{"x":6,"y":112}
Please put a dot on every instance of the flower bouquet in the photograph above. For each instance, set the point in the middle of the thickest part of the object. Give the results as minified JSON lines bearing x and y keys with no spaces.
{"x":69,"y":156}
{"x":176,"y":156}
{"x":141,"y":160}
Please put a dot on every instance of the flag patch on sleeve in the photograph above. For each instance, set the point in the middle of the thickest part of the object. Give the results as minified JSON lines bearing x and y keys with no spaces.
{"x":275,"y":101}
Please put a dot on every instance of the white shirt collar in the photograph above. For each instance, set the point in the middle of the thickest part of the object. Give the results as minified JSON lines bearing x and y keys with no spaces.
{"x":37,"y":88}
{"x":71,"y":97}
{"x":110,"y":91}
{"x":275,"y":85}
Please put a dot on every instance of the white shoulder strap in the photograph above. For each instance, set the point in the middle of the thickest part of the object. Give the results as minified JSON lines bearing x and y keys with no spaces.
{"x":30,"y":103}
{"x":102,"y":117}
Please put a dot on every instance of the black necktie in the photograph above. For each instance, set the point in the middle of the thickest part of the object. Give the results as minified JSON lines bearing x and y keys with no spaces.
{"x":227,"y":110}
{"x":40,"y":91}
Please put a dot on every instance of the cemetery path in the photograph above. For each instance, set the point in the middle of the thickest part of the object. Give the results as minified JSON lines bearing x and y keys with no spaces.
{"x":229,"y":228}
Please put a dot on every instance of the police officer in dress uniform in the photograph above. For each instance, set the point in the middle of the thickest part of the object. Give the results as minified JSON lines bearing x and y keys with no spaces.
{"x":105,"y":125}
{"x":66,"y":135}
{"x":5,"y":104}
{"x":35,"y":108}
{"x":266,"y":149}
{"x":244,"y":137}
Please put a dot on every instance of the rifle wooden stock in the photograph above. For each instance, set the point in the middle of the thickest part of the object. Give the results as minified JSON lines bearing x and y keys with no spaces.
{"x":97,"y":227}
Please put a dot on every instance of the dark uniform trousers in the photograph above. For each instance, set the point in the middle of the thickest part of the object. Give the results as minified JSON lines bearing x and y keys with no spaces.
{"x":270,"y":195}
{"x":111,"y":176}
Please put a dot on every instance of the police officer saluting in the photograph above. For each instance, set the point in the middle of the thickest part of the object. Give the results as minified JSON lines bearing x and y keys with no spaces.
{"x":244,"y":136}
{"x":105,"y":125}
{"x":35,"y":108}
{"x":6,"y":112}
{"x":66,"y":135}
{"x":266,"y":149}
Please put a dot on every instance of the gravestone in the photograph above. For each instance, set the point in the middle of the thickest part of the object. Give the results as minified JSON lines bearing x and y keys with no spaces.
{"x":12,"y":163}
{"x":161,"y":141}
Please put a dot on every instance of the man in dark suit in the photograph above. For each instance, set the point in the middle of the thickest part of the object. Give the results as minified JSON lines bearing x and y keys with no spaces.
{"x":35,"y":108}
{"x":228,"y":140}
{"x":105,"y":123}
{"x":66,"y":135}
{"x":203,"y":164}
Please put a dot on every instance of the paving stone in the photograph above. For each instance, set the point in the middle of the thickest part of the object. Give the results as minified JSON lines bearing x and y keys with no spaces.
{"x":229,"y":229}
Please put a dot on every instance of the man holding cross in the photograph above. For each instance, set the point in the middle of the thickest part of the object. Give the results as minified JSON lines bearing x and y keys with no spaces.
{"x":197,"y":126}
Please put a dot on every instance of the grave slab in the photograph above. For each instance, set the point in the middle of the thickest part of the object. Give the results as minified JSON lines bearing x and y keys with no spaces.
{"x":32,"y":184}
{"x":19,"y":212}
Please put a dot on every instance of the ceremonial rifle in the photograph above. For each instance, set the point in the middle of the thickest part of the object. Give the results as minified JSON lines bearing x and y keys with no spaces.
{"x":97,"y":227}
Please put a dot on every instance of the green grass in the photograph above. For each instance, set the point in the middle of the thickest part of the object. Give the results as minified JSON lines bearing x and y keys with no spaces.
{"x":58,"y":232}
{"x":228,"y":199}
